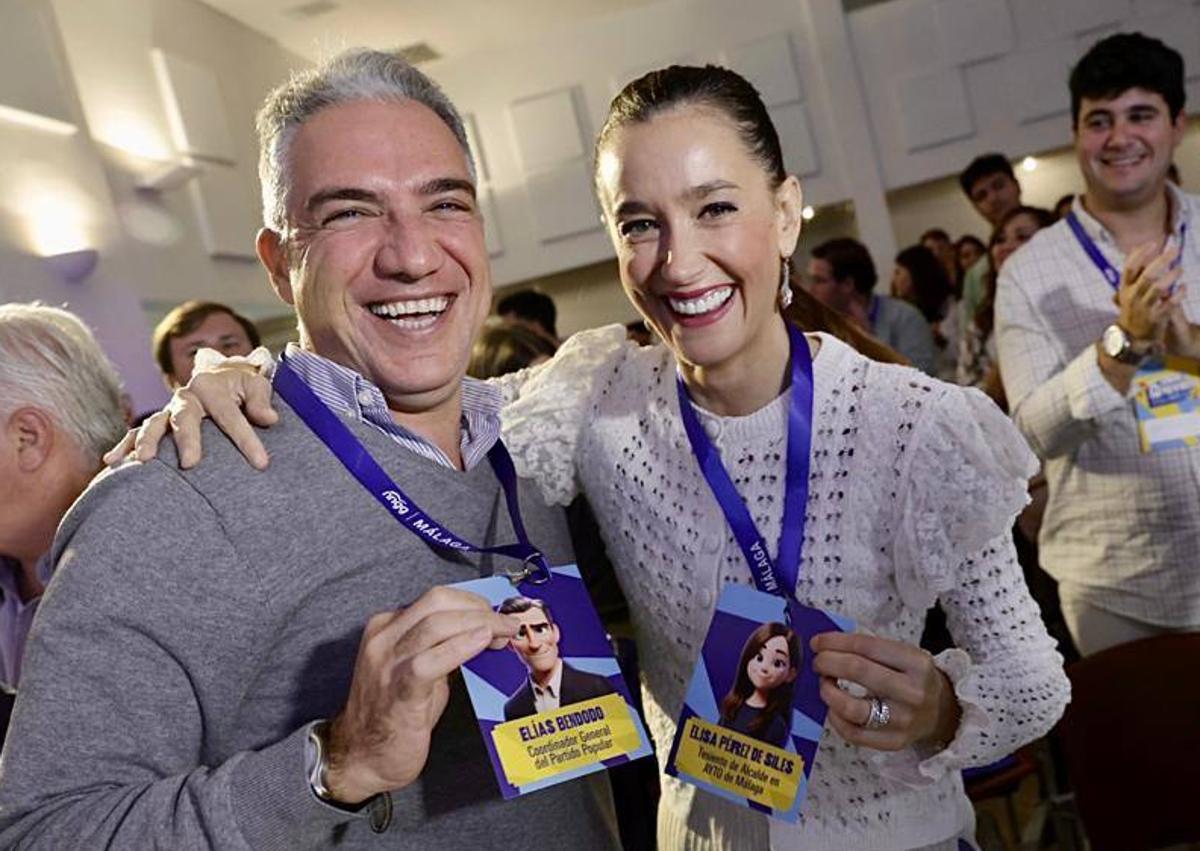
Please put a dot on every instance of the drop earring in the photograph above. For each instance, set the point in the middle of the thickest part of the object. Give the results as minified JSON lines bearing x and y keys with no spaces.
{"x":785,"y":284}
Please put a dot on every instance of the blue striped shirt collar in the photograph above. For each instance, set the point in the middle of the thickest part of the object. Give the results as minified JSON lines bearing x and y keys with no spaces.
{"x":342,"y":389}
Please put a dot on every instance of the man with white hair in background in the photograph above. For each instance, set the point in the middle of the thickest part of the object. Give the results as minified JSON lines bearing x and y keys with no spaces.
{"x":60,"y":407}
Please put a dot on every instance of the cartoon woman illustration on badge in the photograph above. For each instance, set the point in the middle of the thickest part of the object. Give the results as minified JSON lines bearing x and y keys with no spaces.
{"x":760,"y":702}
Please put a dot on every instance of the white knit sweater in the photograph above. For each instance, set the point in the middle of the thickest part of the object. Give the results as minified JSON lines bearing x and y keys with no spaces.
{"x":913,"y":488}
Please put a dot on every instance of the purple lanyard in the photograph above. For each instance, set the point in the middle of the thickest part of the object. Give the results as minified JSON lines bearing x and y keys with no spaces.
{"x":778,"y":577}
{"x":347,"y":448}
{"x":873,"y":312}
{"x":1097,"y":257}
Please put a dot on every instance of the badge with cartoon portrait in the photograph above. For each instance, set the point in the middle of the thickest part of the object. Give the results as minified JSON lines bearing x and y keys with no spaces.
{"x":552,"y":706}
{"x":753,"y":713}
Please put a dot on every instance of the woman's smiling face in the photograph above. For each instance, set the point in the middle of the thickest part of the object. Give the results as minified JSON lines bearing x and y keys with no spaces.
{"x":698,"y":230}
{"x":772,"y":666}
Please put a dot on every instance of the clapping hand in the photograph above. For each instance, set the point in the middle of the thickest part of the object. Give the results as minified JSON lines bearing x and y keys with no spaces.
{"x":1149,"y":293}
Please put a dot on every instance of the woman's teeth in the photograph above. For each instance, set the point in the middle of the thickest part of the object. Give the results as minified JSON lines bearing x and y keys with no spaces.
{"x":412,"y":314}
{"x":706,"y":303}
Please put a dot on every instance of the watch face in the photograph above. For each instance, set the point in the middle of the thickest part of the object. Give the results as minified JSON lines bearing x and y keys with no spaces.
{"x":1114,"y":341}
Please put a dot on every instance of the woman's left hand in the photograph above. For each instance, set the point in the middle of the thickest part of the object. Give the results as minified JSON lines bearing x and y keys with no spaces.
{"x":920,"y":698}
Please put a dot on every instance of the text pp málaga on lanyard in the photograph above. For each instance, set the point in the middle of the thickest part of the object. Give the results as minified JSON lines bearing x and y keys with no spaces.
{"x":334,"y":433}
{"x":778,"y":576}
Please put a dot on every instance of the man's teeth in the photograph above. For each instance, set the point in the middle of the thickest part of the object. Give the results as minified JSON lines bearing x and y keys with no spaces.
{"x":706,"y":303}
{"x":408,"y":308}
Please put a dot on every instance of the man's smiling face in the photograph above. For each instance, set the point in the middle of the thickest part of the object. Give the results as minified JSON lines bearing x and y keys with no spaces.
{"x":384,"y":257}
{"x":1124,"y":145}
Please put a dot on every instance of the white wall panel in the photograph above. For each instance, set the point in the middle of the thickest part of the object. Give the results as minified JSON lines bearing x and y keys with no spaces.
{"x":768,"y":64}
{"x":796,"y":139}
{"x":1037,"y":22}
{"x":933,"y":109}
{"x":1083,"y":15}
{"x":226,"y":212}
{"x":971,"y":30}
{"x":1038,"y":83}
{"x":562,"y":203}
{"x":35,"y":84}
{"x":195,"y":108}
{"x":1153,"y":8}
{"x":547,"y":129}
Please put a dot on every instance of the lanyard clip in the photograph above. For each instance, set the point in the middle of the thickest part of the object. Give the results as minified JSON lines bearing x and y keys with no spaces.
{"x":533,"y":570}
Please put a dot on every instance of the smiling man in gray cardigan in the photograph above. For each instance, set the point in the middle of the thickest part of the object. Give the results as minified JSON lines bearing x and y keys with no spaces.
{"x":202,"y":624}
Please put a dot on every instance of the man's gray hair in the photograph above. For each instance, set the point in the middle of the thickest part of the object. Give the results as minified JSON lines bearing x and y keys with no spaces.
{"x":355,"y":75}
{"x":52,"y":362}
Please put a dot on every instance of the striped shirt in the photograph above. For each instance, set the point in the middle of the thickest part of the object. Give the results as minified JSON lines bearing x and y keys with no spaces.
{"x":16,"y":617}
{"x":343,"y":389}
{"x":1121,"y":526}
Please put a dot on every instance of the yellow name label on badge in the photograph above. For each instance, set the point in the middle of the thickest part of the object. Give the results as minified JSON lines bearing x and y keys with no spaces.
{"x":540,"y":746}
{"x":740,"y":764}
{"x":1167,"y":404}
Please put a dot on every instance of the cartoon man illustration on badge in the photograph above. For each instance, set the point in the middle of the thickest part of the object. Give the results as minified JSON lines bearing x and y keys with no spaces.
{"x":552,"y":683}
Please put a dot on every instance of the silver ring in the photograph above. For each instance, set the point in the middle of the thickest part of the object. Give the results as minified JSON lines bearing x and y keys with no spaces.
{"x":880,"y":715}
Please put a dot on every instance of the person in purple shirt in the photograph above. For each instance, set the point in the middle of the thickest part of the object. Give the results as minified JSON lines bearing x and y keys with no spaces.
{"x":60,"y":410}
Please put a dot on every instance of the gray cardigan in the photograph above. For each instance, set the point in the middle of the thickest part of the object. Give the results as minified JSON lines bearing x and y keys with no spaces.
{"x":198,"y":620}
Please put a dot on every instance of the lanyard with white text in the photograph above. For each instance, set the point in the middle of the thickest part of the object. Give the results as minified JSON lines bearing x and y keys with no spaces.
{"x":347,"y":448}
{"x":778,"y":577}
{"x":1097,"y":257}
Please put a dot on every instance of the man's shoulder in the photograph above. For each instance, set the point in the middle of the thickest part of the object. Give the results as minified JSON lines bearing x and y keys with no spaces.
{"x":151,"y":488}
{"x":291,"y":446}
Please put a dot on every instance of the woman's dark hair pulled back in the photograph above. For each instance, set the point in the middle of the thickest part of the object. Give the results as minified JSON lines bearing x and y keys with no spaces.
{"x":711,"y":86}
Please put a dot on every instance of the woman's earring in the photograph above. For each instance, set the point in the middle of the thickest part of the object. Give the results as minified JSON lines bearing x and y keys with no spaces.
{"x":785,"y":284}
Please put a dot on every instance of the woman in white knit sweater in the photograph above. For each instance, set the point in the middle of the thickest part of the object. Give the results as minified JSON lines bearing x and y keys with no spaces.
{"x":913,"y":486}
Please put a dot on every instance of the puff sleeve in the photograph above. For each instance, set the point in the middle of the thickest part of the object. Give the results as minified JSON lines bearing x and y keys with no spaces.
{"x":966,"y":481}
{"x":547,"y":407}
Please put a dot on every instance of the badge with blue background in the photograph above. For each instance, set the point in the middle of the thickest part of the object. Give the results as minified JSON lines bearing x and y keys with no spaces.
{"x":749,"y":727}
{"x":1167,"y":404}
{"x":753,"y":714}
{"x":552,"y":706}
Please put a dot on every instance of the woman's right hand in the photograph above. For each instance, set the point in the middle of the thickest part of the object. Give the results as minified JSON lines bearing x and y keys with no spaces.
{"x":235,"y":396}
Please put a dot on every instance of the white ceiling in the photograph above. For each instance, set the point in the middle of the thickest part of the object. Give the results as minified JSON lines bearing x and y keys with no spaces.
{"x":317,"y":28}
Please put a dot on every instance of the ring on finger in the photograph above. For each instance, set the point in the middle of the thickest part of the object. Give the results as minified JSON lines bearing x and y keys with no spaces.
{"x":880,"y":714}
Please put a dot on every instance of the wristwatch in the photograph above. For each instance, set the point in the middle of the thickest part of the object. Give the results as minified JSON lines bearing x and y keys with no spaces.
{"x":379,"y":807}
{"x":1118,"y":345}
{"x":318,"y":739}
